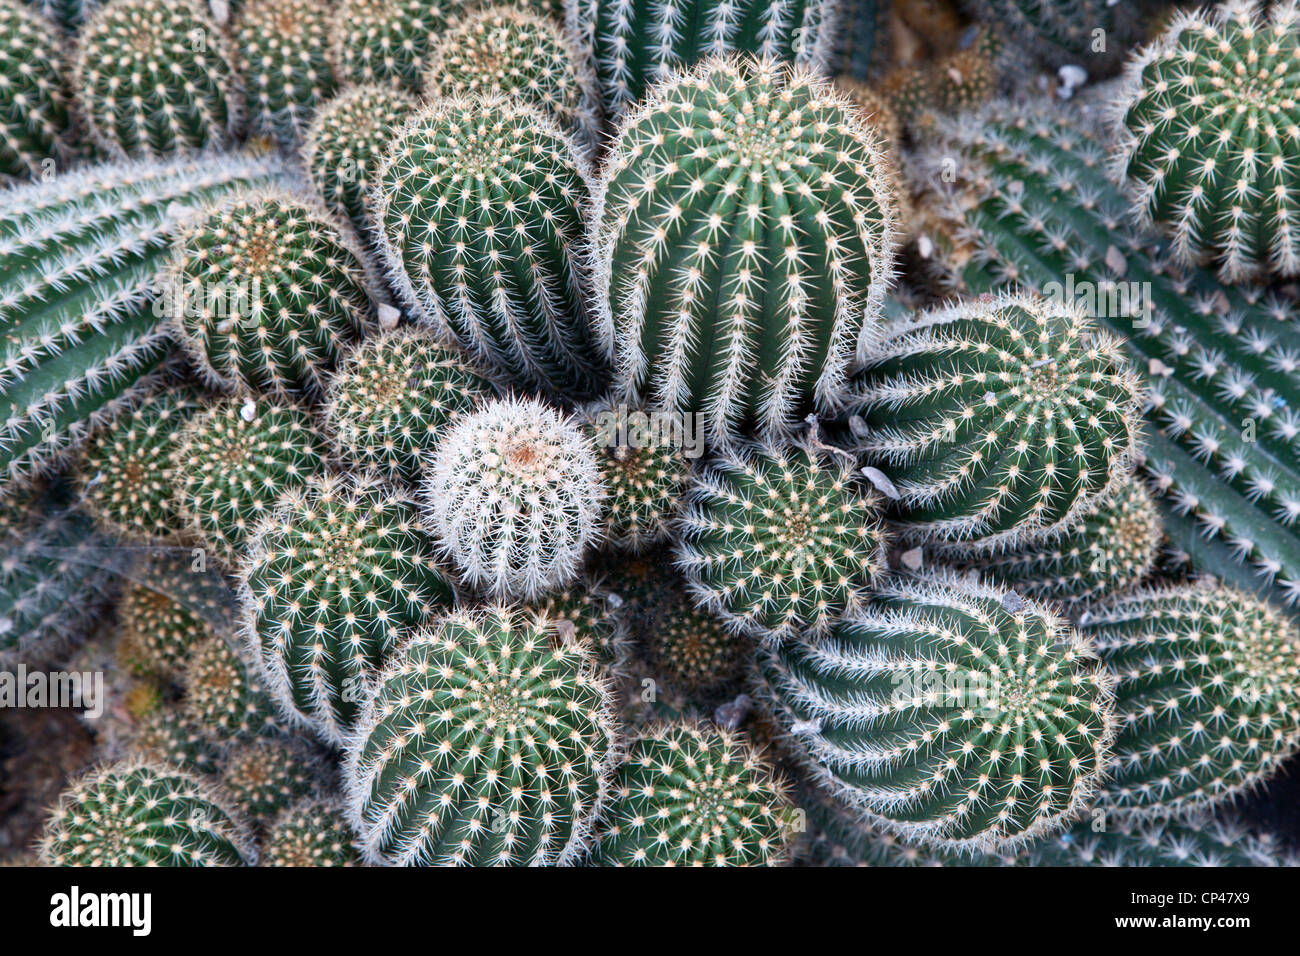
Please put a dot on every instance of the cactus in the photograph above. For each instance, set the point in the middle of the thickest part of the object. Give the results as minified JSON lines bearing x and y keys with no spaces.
{"x":488,"y":742}
{"x":135,"y":813}
{"x":779,"y":540}
{"x":1113,"y":547}
{"x":157,"y":77}
{"x":1207,"y":695}
{"x":156,"y":632}
{"x":388,"y":41}
{"x":236,"y":459}
{"x":480,"y":209}
{"x":224,"y":699}
{"x":1092,"y":34}
{"x":312,"y":833}
{"x":1199,"y":841}
{"x":393,"y":398}
{"x":509,"y":51}
{"x":68,"y":14}
{"x":635,"y":44}
{"x":283,"y":51}
{"x":949,"y":713}
{"x":961,"y":80}
{"x":1206,"y":138}
{"x":691,"y":795}
{"x":35,"y":138}
{"x":341,"y":575}
{"x":515,"y":497}
{"x":693,"y":648}
{"x":595,"y":621}
{"x":1035,"y":209}
{"x":266,"y":777}
{"x":169,"y":737}
{"x":741,"y":276}
{"x":78,"y":260}
{"x":268,"y":291}
{"x":998,"y":418}
{"x":862,"y":24}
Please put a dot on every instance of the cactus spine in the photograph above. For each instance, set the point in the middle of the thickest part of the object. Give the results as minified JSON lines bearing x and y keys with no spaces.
{"x":265,"y":777}
{"x":35,"y":139}
{"x":283,"y":53}
{"x":312,"y":833}
{"x":224,"y":699}
{"x":388,"y":41}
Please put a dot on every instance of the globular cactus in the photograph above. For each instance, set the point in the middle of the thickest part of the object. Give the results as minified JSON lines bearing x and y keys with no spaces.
{"x":779,"y":540}
{"x":635,"y":44}
{"x":863,"y":24}
{"x":515,"y":497}
{"x":949,"y":713}
{"x":691,"y":795}
{"x":1090,"y":34}
{"x":224,"y":697}
{"x":595,"y":620}
{"x":267,"y":293}
{"x":489,"y":742}
{"x":388,"y":41}
{"x":312,"y":833}
{"x":1207,"y":138}
{"x":236,"y":458}
{"x":170,"y":737}
{"x":283,"y":51}
{"x":347,"y":142}
{"x":510,"y":51}
{"x":77,"y":267}
{"x":1202,"y":840}
{"x":954,"y":83}
{"x":480,"y":210}
{"x":1113,"y":546}
{"x":1207,"y":695}
{"x":393,"y":398}
{"x":35,"y":135}
{"x":156,"y":631}
{"x":691,"y":647}
{"x":342,"y":574}
{"x":265,"y":777}
{"x":127,"y":472}
{"x":744,"y":239}
{"x":157,"y":77}
{"x":136,"y":813}
{"x":997,"y":418}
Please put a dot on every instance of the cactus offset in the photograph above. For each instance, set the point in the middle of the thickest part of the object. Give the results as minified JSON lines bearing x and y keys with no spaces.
{"x":263,"y":778}
{"x":388,"y":41}
{"x":224,"y":699}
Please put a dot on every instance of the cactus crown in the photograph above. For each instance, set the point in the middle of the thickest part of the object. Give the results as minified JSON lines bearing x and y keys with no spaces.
{"x":156,"y":631}
{"x":313,"y":833}
{"x":223,"y":697}
{"x":34,"y":102}
{"x":388,"y":41}
{"x":283,"y":53}
{"x":265,"y":777}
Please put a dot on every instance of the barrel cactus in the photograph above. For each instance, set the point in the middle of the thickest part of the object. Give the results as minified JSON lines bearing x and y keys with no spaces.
{"x":312,"y":833}
{"x":265,"y":777}
{"x":584,"y":612}
{"x":156,"y":631}
{"x":224,"y":696}
{"x":169,"y":736}
{"x":388,"y":41}
{"x":691,"y":647}
{"x":35,"y":114}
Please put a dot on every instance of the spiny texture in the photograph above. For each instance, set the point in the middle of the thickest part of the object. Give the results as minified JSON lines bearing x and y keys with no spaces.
{"x":236,"y":459}
{"x":269,"y":291}
{"x":394,"y":397}
{"x":515,"y":497}
{"x":78,"y":259}
{"x":635,"y":44}
{"x":68,"y":14}
{"x":156,"y":77}
{"x":127,"y":473}
{"x":283,"y":54}
{"x":949,"y":713}
{"x":1113,"y":546}
{"x":157,"y":632}
{"x":135,"y":813}
{"x":744,"y":238}
{"x":512,"y":52}
{"x":956,"y":82}
{"x":313,"y":833}
{"x":587,"y":607}
{"x":34,"y":96}
{"x":1202,"y":840}
{"x":1092,"y":34}
{"x":1210,"y":136}
{"x":342,"y":574}
{"x":997,"y":418}
{"x":489,"y":742}
{"x":1207,"y":694}
{"x":388,"y":41}
{"x":780,"y":539}
{"x":863,"y":24}
{"x":480,"y":208}
{"x":266,"y":777}
{"x":347,"y":142}
{"x":693,"y":647}
{"x":169,"y":736}
{"x":691,"y":795}
{"x":223,"y":698}
{"x":1222,"y":364}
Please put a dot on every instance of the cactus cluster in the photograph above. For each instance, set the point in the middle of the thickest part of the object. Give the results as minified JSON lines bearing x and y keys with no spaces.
{"x":283,"y":51}
{"x":35,"y":99}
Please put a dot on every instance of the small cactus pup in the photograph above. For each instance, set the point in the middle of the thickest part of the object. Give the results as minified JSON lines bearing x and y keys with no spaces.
{"x":342,"y":574}
{"x":489,"y":742}
{"x":394,"y":396}
{"x":136,"y":813}
{"x":949,"y":713}
{"x":1208,"y":138}
{"x":516,"y":53}
{"x":283,"y":49}
{"x":997,"y":418}
{"x":265,"y":777}
{"x":777,"y":540}
{"x":691,"y":795}
{"x":515,"y":497}
{"x":35,"y":139}
{"x":267,"y":292}
{"x":388,"y":41}
{"x":1207,"y":694}
{"x":480,"y":208}
{"x":224,"y":697}
{"x":311,"y":833}
{"x":634,"y":44}
{"x":236,"y":458}
{"x":157,"y":77}
{"x":744,"y":239}
{"x":1113,"y":547}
